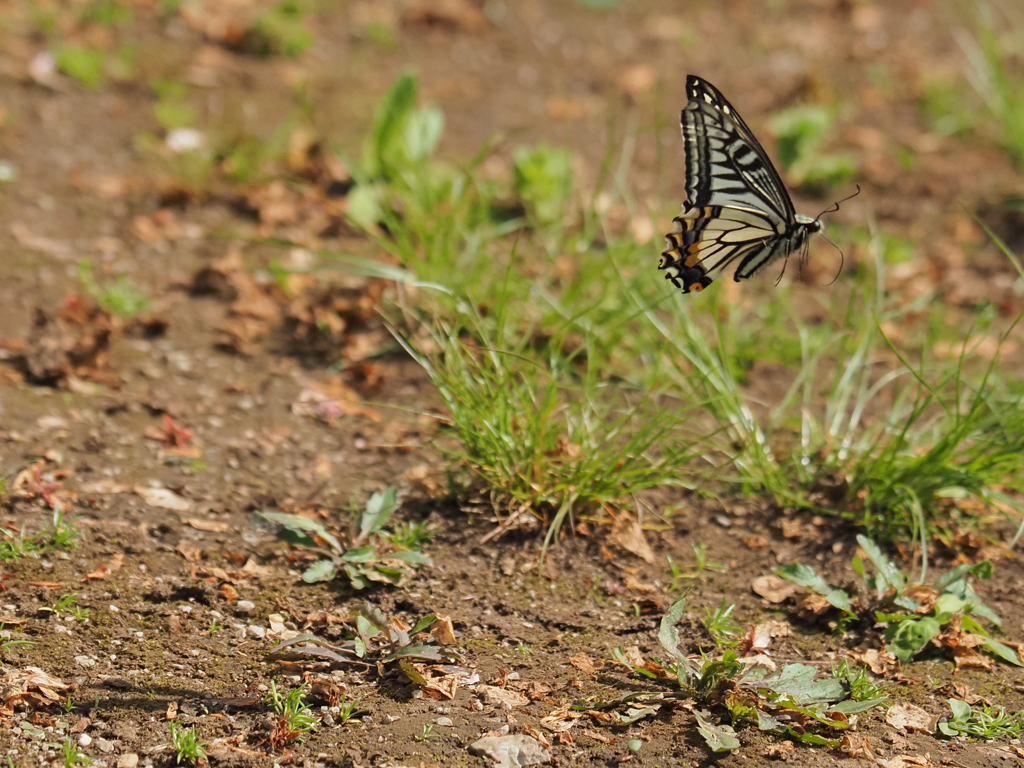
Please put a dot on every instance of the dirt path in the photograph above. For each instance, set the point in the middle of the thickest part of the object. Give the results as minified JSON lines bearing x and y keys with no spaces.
{"x":170,"y":514}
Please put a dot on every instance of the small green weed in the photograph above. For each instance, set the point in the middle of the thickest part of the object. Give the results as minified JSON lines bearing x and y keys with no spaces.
{"x":543,"y":179}
{"x":7,"y":643}
{"x":294,"y":718}
{"x":64,"y":602}
{"x":282,"y":30}
{"x":914,"y":614}
{"x":106,"y":13}
{"x":427,"y":733}
{"x":766,"y":699}
{"x":701,"y":564}
{"x":62,"y":535}
{"x":862,"y":687}
{"x":120,"y":297}
{"x":370,"y":553}
{"x":187,"y":747}
{"x":410,"y":535}
{"x":983,"y":722}
{"x":719,"y":624}
{"x":71,"y":754}
{"x":349,"y":708}
{"x":172,"y":109}
{"x":801,"y":131}
{"x":82,"y":63}
{"x":15,"y":545}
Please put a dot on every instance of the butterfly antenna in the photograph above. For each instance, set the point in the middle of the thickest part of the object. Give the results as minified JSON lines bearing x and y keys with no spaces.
{"x":842,"y":258}
{"x":835,"y":206}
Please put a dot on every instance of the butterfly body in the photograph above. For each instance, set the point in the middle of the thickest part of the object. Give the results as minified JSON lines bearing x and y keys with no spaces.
{"x":737,"y":208}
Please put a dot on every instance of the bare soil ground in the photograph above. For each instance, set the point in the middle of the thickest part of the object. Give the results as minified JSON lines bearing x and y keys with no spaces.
{"x":560,"y":72}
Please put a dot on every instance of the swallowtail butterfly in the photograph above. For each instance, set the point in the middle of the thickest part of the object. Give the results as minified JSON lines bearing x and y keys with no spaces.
{"x":737,"y":208}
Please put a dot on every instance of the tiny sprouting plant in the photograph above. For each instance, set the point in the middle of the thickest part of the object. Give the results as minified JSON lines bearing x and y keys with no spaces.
{"x":188,"y":749}
{"x":349,"y":708}
{"x":426,"y":733}
{"x":294,"y":718}
{"x":72,"y":756}
{"x":63,"y":603}
{"x":366,"y":553}
{"x":720,"y":625}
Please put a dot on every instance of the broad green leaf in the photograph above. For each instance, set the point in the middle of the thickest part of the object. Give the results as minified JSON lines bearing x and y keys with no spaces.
{"x":363,"y":205}
{"x":422,"y":133}
{"x":423,"y":623}
{"x":389,"y":123}
{"x":807,"y":577}
{"x":719,"y":738}
{"x":356,"y":577}
{"x":766,"y":722}
{"x":891,"y":575}
{"x":378,"y":509}
{"x":1004,"y":652}
{"x":302,"y":525}
{"x":850,"y":707}
{"x":668,"y":635}
{"x":411,"y":556}
{"x":796,"y":681}
{"x":324,"y":570}
{"x":961,"y":709}
{"x":411,"y":672}
{"x":360,"y":554}
{"x":907,"y":638}
{"x":633,"y":714}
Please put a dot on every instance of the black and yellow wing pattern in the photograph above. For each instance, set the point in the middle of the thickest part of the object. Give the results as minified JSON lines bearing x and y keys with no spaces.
{"x":737,"y":208}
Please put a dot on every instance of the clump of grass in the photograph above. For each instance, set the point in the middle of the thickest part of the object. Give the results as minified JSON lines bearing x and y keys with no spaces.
{"x":985,"y":722}
{"x":948,"y":432}
{"x":994,"y":56}
{"x":540,"y":429}
{"x":187,"y":747}
{"x":720,"y":625}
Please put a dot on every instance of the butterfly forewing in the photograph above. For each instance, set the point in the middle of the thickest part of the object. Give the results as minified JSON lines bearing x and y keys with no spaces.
{"x":737,"y":207}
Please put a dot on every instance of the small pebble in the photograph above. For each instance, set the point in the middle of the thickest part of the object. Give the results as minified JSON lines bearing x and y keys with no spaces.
{"x":84,"y":740}
{"x":445,"y":721}
{"x":245,"y":606}
{"x":257,"y":633}
{"x":129,"y":760}
{"x":104,"y":746}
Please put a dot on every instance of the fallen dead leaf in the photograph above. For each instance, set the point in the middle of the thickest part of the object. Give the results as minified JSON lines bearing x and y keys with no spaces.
{"x":910,"y":717}
{"x":172,"y":710}
{"x":229,"y":593}
{"x":191,"y":553}
{"x":442,"y":632}
{"x":909,"y":761}
{"x":210,"y":526}
{"x":560,"y":720}
{"x":499,"y":697}
{"x":585,"y":664}
{"x":102,"y":571}
{"x":597,"y":736}
{"x":762,"y":634}
{"x":163,"y":498}
{"x":452,"y":15}
{"x":881,"y":663}
{"x":775,"y":589}
{"x":628,"y":534}
{"x":756,"y":542}
{"x":782,"y":751}
{"x":634,"y":584}
{"x":29,"y":686}
{"x":856,"y":745}
{"x":331,"y":400}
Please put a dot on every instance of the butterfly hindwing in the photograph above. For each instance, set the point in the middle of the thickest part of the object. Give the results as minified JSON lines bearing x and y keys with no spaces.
{"x":737,"y":206}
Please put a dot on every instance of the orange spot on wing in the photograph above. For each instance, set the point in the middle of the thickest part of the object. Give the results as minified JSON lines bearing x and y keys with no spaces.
{"x":697,"y":287}
{"x":691,"y":261}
